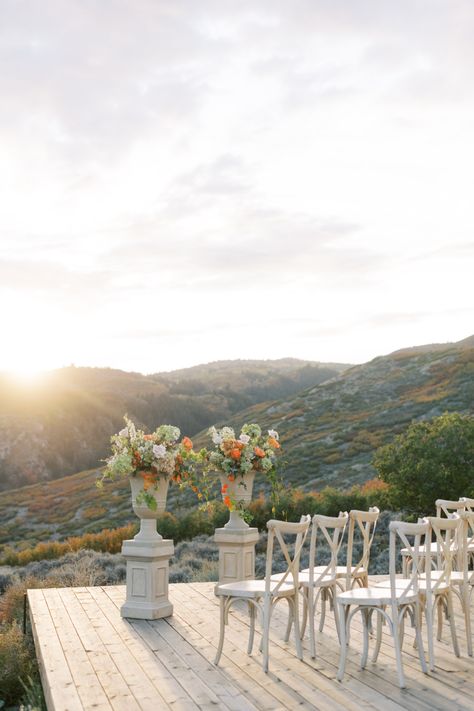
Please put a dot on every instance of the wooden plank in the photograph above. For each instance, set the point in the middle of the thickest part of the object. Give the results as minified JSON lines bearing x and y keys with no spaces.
{"x":138,"y":659}
{"x":58,"y":684}
{"x":87,"y":683}
{"x":149,"y":682}
{"x":88,"y":654}
{"x":118,"y":691}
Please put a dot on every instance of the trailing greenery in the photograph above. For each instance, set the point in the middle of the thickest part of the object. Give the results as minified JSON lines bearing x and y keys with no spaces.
{"x":431,"y":460}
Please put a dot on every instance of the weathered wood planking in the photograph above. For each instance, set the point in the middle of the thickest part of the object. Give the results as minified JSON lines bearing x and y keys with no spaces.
{"x":90,"y":658}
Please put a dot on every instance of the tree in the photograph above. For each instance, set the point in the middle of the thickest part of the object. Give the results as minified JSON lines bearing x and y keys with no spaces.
{"x":431,"y":460}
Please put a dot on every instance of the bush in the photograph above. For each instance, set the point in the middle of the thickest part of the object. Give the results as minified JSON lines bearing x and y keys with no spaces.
{"x":431,"y":460}
{"x":17,"y":663}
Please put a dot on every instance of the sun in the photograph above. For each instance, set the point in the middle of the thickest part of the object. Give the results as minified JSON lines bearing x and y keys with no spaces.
{"x":27,"y":375}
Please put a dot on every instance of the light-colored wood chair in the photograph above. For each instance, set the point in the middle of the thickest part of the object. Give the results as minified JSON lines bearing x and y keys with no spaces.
{"x":361,"y":533}
{"x":317,"y":581}
{"x":391,"y":603}
{"x":462,"y":578}
{"x":444,"y":507}
{"x":262,"y":595}
{"x":436,"y":586}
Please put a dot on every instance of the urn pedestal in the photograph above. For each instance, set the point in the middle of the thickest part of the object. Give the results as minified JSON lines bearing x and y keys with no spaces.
{"x":147,"y":557}
{"x":236,"y":540}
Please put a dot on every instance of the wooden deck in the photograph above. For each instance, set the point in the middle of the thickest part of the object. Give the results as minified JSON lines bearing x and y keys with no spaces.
{"x":90,"y":658}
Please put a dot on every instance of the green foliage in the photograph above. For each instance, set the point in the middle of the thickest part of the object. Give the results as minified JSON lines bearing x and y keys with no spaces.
{"x":431,"y":460}
{"x":17,"y":663}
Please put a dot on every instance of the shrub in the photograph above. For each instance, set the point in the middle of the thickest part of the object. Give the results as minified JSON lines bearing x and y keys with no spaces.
{"x":17,"y":663}
{"x":431,"y":460}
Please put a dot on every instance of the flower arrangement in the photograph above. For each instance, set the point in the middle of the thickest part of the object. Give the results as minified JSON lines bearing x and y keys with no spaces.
{"x":152,"y":456}
{"x":235,"y":456}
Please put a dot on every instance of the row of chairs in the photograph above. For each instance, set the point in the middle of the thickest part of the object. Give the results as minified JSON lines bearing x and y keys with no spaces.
{"x":315,"y":581}
{"x":444,"y":542}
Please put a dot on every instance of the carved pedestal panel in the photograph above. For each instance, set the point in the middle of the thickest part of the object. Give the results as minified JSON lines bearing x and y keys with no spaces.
{"x":147,"y":579}
{"x":236,"y":554}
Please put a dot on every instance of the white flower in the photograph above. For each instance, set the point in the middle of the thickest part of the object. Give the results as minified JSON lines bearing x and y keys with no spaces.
{"x":274,"y":434}
{"x":159,"y":450}
{"x":245,"y":439}
{"x":124,"y":432}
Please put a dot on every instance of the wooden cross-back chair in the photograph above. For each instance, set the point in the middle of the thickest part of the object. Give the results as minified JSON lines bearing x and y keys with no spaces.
{"x":392,"y":603}
{"x":262,"y":595}
{"x":317,"y":580}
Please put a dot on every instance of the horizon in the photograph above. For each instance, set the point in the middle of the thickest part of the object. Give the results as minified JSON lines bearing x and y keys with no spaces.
{"x":219,"y":182}
{"x":33,"y":376}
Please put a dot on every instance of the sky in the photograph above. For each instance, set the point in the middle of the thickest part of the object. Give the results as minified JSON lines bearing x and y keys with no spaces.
{"x":183,"y":182}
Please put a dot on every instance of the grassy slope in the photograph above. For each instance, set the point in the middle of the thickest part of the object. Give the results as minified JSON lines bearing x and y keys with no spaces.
{"x":328,"y":433}
{"x":64,"y":424}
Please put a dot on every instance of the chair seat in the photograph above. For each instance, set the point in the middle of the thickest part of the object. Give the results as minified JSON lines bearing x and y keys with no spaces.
{"x":341,"y":571}
{"x":401,"y":584}
{"x":324,"y":582}
{"x":422,"y":551}
{"x":373,"y":596}
{"x":253,"y":589}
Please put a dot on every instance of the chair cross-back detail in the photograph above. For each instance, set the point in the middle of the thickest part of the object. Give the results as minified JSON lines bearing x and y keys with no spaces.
{"x":262,"y":595}
{"x":462,"y":579}
{"x":392,"y":603}
{"x":363,"y":523}
{"x":317,"y":581}
{"x":437,"y":585}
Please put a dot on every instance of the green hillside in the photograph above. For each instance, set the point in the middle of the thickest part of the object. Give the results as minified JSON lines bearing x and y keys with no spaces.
{"x":63,"y":425}
{"x":329,"y":433}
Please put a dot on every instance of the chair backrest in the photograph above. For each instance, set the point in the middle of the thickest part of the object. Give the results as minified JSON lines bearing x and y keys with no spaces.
{"x":277,"y":530}
{"x":445,"y":507}
{"x":332,"y":529}
{"x":364,"y":524}
{"x":466,"y":544}
{"x":410,"y":536}
{"x":447,"y":535}
{"x":468,"y":503}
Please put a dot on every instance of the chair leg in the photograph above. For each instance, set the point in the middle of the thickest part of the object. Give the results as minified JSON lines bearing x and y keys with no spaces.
{"x":454,"y":638}
{"x":222,"y":602}
{"x":429,"y":632}
{"x":252,"y":627}
{"x":398,"y":652}
{"x":378,"y":636}
{"x":322,"y":615}
{"x":296,"y":618}
{"x":467,"y":617}
{"x":419,"y":638}
{"x":289,"y":622}
{"x":440,"y":609}
{"x":336,"y":613}
{"x":365,"y":631}
{"x":267,"y":611}
{"x":343,"y":618}
{"x":310,"y":604}
{"x":305,"y":611}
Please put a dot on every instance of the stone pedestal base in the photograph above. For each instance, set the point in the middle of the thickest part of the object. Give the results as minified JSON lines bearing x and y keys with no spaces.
{"x":147,"y":579}
{"x":236,"y":553}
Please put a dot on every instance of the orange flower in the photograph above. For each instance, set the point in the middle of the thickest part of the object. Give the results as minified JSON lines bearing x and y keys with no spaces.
{"x":259,"y":452}
{"x":227,"y":502}
{"x":235,"y":453}
{"x":273,"y":443}
{"x":187,"y":444}
{"x":224,"y":488}
{"x":148,"y":480}
{"x":238,"y":444}
{"x":147,"y":436}
{"x":231,"y":477}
